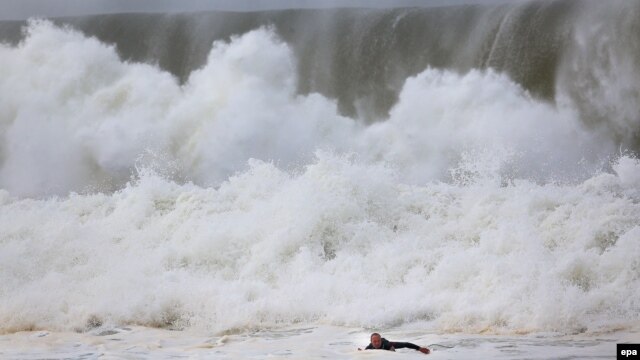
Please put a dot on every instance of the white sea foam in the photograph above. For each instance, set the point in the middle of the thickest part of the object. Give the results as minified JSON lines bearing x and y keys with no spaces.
{"x":295,"y":342}
{"x":341,"y":243}
{"x":231,"y":202}
{"x":74,"y":117}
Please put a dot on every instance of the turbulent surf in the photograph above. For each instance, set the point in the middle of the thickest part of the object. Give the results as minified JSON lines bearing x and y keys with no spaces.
{"x":467,"y":168}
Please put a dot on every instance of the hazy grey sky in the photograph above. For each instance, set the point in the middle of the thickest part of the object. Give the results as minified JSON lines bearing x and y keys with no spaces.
{"x":22,"y":9}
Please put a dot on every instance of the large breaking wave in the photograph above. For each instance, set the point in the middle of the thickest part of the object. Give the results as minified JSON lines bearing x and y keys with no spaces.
{"x":283,"y":178}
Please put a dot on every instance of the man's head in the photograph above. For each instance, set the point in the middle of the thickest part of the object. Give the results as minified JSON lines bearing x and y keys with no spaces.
{"x":376,"y":340}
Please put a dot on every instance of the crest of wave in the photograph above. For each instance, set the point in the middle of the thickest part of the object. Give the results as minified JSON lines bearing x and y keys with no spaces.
{"x":74,"y":117}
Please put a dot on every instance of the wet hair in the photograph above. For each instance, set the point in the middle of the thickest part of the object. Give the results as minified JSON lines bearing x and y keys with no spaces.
{"x":374,"y":334}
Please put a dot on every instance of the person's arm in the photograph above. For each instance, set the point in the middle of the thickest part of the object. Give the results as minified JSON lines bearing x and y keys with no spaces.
{"x":400,"y":345}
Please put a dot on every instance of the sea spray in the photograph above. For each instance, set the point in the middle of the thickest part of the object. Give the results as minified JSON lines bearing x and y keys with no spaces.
{"x":85,"y":124}
{"x":328,"y":244}
{"x":232,"y":201}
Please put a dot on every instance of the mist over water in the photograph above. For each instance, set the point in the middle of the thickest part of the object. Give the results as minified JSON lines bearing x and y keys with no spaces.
{"x":242,"y":171}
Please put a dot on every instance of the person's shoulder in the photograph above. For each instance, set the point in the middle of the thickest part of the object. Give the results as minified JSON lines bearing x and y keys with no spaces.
{"x":386,"y":344}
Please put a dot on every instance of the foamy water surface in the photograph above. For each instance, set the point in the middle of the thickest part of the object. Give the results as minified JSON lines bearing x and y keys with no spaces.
{"x":310,"y":342}
{"x":231,"y":204}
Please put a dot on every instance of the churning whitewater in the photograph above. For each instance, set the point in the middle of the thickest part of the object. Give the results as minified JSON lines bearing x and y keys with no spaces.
{"x":233,"y":199}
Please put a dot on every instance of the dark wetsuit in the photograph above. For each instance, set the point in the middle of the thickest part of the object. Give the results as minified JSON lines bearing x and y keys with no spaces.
{"x":391,"y":345}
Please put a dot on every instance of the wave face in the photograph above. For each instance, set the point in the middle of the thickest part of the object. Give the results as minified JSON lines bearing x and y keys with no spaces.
{"x":467,"y":168}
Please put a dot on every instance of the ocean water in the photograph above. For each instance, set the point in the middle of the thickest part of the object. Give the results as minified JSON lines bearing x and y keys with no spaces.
{"x":282,"y":183}
{"x":299,"y":342}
